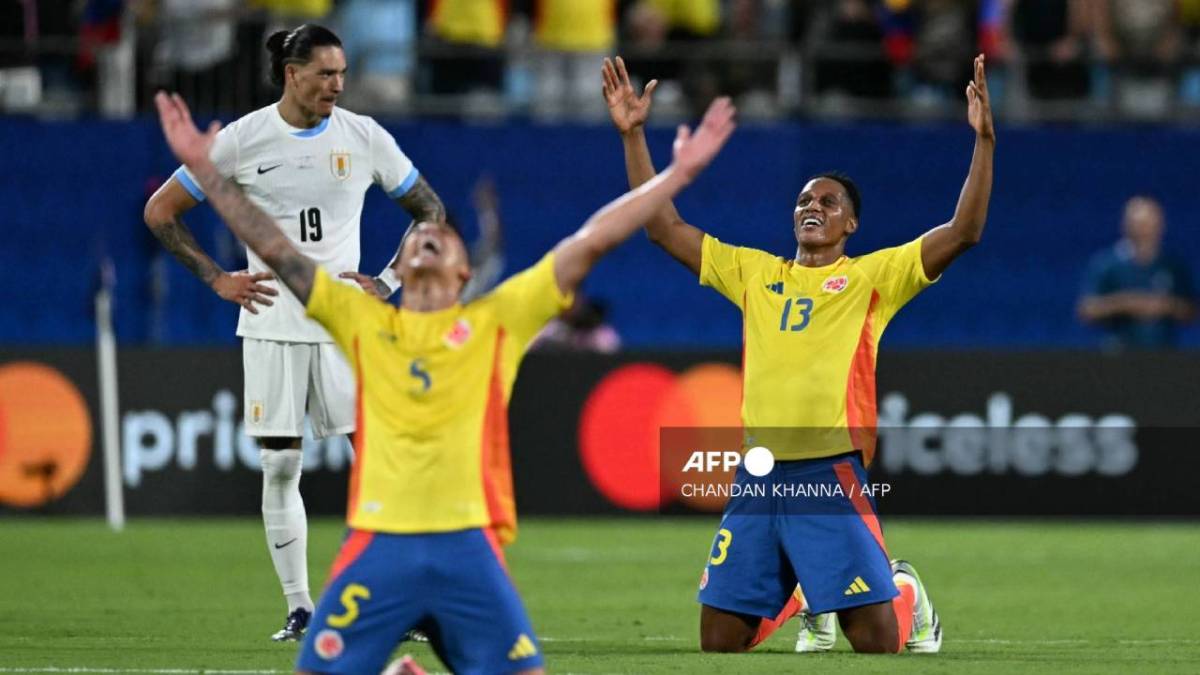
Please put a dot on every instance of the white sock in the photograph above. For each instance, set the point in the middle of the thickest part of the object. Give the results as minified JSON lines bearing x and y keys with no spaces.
{"x":286,"y":524}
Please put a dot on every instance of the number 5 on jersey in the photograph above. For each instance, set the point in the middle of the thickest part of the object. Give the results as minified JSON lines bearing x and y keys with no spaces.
{"x":310,"y":224}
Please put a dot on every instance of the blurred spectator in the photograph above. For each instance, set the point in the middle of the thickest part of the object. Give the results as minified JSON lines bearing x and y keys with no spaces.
{"x":381,"y":39}
{"x":931,"y":43}
{"x":752,"y":75}
{"x":574,"y":36}
{"x":100,"y":25}
{"x":1143,"y":40}
{"x":466,"y":36}
{"x":653,"y":26}
{"x":847,"y":46}
{"x":581,"y":328}
{"x":1135,"y":291}
{"x":20,"y":79}
{"x":287,"y":14}
{"x":1051,"y":37}
{"x":195,"y":51}
{"x":1189,"y":22}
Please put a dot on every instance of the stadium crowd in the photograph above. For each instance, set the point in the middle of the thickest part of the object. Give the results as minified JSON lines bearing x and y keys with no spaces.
{"x":479,"y":57}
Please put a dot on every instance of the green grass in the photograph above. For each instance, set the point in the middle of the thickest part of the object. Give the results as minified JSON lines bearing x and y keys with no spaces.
{"x":609,"y":596}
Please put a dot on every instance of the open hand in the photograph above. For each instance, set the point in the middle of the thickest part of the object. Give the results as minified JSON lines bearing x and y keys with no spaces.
{"x":694,"y":150}
{"x":628,"y":110}
{"x":244,"y":289}
{"x":979,"y":104}
{"x":187,"y":143}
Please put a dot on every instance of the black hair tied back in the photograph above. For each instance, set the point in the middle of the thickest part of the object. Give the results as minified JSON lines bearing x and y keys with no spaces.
{"x":296,"y":45}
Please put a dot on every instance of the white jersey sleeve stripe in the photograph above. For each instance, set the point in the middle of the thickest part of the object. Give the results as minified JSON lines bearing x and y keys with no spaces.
{"x":185,"y":179}
{"x":406,"y":184}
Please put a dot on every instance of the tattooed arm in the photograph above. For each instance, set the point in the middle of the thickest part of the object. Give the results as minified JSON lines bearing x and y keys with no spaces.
{"x":247,"y":221}
{"x":423,"y":204}
{"x":257,"y":230}
{"x":164,"y":216}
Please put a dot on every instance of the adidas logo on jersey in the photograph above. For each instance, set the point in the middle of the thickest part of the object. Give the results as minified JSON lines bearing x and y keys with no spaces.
{"x":857,"y":586}
{"x":776,"y":288}
{"x":522,"y":649}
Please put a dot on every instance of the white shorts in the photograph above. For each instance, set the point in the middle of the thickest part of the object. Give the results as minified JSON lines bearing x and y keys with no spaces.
{"x":283,"y":379}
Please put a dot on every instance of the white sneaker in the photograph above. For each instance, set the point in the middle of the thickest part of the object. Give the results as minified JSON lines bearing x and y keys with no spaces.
{"x":926,"y":636}
{"x":818,"y":632}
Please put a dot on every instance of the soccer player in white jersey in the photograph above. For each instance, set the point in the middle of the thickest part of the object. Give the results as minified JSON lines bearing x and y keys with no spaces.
{"x":308,"y":164}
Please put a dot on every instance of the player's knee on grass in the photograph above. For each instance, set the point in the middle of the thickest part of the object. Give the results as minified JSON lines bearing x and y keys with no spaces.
{"x":871,"y":629}
{"x":722,"y":631}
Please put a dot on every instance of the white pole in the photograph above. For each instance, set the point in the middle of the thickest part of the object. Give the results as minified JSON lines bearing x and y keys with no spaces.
{"x":106,"y":358}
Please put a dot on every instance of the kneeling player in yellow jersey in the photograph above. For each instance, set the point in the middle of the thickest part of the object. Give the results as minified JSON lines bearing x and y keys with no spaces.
{"x":431,"y":491}
{"x":812,"y":326}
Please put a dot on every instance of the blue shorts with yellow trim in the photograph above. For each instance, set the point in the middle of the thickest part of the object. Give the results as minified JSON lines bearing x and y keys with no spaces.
{"x":453,"y":585}
{"x":809,"y":522}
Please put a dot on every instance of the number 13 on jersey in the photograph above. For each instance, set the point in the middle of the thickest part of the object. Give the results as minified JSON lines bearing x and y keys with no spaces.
{"x":796,"y":314}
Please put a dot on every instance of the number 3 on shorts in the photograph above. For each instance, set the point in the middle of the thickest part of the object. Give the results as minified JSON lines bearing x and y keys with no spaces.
{"x":724,"y":539}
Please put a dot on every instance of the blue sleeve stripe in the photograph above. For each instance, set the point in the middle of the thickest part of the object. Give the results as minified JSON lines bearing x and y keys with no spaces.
{"x":188,"y":184}
{"x":406,"y":184}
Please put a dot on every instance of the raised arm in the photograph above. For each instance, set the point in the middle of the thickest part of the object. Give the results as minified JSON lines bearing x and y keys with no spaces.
{"x":613,"y":224}
{"x":944,"y":243}
{"x":629,"y":113}
{"x":164,"y":216}
{"x":247,"y":221}
{"x":423,"y":204}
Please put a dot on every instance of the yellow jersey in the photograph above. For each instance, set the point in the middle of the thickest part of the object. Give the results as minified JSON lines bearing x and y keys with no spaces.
{"x":475,"y":22}
{"x":431,"y":449}
{"x":576,"y":25}
{"x":810,"y":337}
{"x":702,"y":17}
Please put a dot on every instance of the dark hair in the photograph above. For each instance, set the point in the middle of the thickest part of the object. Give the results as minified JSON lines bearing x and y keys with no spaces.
{"x":848,"y":185}
{"x":296,"y":45}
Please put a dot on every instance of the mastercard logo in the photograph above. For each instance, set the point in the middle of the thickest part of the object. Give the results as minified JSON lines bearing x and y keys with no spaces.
{"x":45,"y":434}
{"x":621,"y":430}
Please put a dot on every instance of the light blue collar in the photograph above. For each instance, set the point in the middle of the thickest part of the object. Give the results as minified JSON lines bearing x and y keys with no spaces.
{"x":309,"y":133}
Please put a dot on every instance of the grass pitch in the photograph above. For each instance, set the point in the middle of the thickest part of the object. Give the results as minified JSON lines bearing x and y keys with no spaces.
{"x":607,"y":596}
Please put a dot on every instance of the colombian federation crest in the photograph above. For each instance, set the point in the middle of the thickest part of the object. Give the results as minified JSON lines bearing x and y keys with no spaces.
{"x":329,"y":644}
{"x":836,"y":284}
{"x":339,"y":165}
{"x":459,"y":334}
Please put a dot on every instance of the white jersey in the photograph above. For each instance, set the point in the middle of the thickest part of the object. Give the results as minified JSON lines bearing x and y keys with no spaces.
{"x":312,"y":182}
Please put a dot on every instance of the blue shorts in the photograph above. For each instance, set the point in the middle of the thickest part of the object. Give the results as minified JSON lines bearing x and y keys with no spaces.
{"x":823,"y":538}
{"x":452,"y":584}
